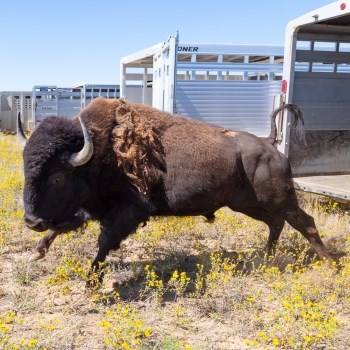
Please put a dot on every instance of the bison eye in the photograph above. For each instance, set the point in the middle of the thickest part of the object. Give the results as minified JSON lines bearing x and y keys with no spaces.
{"x":56,"y":178}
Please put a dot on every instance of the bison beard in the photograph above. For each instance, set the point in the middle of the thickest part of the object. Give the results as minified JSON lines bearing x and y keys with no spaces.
{"x":145,"y":162}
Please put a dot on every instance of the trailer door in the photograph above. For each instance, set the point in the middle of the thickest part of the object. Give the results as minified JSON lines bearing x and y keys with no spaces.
{"x":321,"y":89}
{"x":317,"y":76}
{"x":164,"y":69}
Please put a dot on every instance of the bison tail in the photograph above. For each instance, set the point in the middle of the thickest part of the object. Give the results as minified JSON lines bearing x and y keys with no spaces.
{"x":298,"y":123}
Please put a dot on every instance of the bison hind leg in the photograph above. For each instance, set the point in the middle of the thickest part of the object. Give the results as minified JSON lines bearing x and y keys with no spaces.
{"x":305,"y":224}
{"x":274,"y":221}
{"x":275,"y":226}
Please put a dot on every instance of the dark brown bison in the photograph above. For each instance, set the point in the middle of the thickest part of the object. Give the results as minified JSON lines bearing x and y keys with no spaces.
{"x":120,"y":163}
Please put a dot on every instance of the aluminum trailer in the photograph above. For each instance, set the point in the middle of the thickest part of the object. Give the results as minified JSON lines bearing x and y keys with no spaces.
{"x":90,"y":91}
{"x":54,"y":101}
{"x":49,"y":100}
{"x":233,"y":86}
{"x":67,"y":102}
{"x":316,"y":76}
{"x":12,"y":102}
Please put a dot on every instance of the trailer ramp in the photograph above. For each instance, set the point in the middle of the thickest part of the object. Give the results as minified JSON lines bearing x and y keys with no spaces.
{"x":335,"y":186}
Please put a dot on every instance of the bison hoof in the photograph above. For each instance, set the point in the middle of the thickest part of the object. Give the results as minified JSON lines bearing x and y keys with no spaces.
{"x":93,"y":284}
{"x":95,"y":279}
{"x":210,"y":218}
{"x":37,"y":256}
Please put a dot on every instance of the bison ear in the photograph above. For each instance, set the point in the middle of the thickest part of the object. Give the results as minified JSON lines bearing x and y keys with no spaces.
{"x":83,"y":156}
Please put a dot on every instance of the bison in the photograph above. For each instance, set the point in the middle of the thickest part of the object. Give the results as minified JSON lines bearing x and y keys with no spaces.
{"x":120,"y":163}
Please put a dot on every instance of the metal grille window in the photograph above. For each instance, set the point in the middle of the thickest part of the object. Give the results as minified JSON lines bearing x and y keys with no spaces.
{"x":16,"y":102}
{"x":27,"y":102}
{"x":322,"y":57}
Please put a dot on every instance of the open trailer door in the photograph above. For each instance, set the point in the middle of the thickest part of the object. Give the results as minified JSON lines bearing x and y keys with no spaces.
{"x":316,"y":76}
{"x":164,"y":75}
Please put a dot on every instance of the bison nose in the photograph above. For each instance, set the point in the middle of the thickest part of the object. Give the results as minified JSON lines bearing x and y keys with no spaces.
{"x":34,"y":223}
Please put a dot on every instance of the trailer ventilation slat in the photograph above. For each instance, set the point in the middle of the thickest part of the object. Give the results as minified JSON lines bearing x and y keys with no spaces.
{"x":243,"y":105}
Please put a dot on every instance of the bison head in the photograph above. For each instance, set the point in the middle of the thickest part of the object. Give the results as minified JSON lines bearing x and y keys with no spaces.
{"x":55,"y":189}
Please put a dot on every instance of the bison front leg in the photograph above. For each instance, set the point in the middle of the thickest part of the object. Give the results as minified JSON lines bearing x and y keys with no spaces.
{"x":97,"y":271}
{"x":118,"y":225}
{"x":43,"y":245}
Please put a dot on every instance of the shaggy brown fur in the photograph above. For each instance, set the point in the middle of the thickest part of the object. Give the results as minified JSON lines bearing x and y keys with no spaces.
{"x":137,"y":135}
{"x":132,"y":138}
{"x":136,"y":144}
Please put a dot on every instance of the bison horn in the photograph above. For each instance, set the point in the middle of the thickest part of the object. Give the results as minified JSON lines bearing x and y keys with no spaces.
{"x":21,"y":137}
{"x":82,"y":157}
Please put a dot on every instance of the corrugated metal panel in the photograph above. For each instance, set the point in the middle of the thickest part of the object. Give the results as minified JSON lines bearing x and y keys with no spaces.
{"x":69,"y":108}
{"x":228,"y":49}
{"x":239,"y":105}
{"x":227,"y":66}
{"x":57,"y":107}
{"x":321,"y":95}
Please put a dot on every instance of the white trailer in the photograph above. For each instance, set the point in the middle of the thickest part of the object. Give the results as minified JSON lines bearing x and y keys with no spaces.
{"x":49,"y":100}
{"x":54,"y":101}
{"x":316,"y":76}
{"x":67,"y":102}
{"x":90,"y":91}
{"x":233,"y":86}
{"x":12,"y":102}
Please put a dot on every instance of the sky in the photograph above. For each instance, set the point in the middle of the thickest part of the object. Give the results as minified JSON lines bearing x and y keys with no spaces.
{"x":66,"y":42}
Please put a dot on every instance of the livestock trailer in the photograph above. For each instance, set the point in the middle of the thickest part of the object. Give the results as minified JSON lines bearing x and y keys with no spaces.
{"x":12,"y":102}
{"x":54,"y":101}
{"x":90,"y":91}
{"x":49,"y":100}
{"x":316,"y":76}
{"x":67,"y":102}
{"x":233,"y":86}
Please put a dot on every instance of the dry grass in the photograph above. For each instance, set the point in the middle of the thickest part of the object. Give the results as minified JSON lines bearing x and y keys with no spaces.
{"x":175,"y":284}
